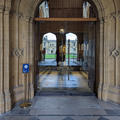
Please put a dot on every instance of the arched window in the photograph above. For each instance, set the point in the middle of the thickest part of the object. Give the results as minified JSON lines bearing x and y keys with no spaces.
{"x":49,"y":45}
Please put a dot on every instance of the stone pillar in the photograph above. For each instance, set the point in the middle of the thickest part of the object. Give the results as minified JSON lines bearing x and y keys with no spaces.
{"x":1,"y":63}
{"x":27,"y":51}
{"x":109,"y":59}
{"x":6,"y":62}
{"x":112,"y":83}
{"x":21,"y":46}
{"x":14,"y":57}
{"x":118,"y":51}
{"x":31,"y":60}
{"x":101,"y":59}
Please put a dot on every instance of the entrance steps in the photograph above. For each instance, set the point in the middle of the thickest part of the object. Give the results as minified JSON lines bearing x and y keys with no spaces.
{"x":56,"y":68}
{"x":64,"y":92}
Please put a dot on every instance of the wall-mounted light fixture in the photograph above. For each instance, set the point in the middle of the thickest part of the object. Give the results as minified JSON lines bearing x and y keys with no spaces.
{"x":61,"y":31}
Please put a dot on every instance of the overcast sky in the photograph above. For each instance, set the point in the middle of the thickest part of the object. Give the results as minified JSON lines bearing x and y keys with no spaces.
{"x":70,"y":36}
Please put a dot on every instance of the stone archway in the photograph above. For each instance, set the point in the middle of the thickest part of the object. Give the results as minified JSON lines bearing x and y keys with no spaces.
{"x":16,"y":34}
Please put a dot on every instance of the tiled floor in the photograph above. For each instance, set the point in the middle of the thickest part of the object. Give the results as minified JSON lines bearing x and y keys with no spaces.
{"x":64,"y":107}
{"x":57,"y":79}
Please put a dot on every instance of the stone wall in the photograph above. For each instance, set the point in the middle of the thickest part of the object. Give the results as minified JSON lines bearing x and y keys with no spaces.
{"x":18,"y":45}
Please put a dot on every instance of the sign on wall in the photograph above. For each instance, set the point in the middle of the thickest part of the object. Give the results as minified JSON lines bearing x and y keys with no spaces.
{"x":25,"y":68}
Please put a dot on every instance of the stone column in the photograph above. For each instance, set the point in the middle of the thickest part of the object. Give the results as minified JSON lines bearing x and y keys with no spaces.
{"x":118,"y":50}
{"x":14,"y":56}
{"x":111,"y":47}
{"x":31,"y":60}
{"x":6,"y":62}
{"x":101,"y":59}
{"x":113,"y":90}
{"x":21,"y":45}
{"x":1,"y":63}
{"x":27,"y":51}
{"x":109,"y":57}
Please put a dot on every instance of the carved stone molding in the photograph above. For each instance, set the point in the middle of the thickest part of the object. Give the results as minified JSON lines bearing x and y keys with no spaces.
{"x":111,"y":17}
{"x":115,"y":53}
{"x":25,"y":18}
{"x":18,"y":52}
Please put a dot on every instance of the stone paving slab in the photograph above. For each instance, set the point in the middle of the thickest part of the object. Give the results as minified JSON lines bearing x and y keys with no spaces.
{"x":65,"y":108}
{"x":60,"y":118}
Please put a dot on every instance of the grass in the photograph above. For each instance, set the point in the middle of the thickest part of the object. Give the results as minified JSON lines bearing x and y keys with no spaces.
{"x":53,"y":56}
{"x":50,"y":56}
{"x":71,"y":56}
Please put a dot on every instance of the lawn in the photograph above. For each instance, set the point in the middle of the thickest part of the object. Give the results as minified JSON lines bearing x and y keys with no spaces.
{"x":50,"y":56}
{"x":53,"y":56}
{"x":71,"y":56}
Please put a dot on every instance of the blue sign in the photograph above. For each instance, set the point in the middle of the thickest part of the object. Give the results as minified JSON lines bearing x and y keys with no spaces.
{"x":25,"y":68}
